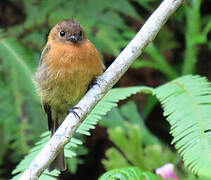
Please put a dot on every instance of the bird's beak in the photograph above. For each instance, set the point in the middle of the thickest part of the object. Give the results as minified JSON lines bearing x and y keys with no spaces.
{"x":74,"y":38}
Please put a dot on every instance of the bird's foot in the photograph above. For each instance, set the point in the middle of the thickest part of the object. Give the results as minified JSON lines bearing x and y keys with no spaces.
{"x":72,"y":110}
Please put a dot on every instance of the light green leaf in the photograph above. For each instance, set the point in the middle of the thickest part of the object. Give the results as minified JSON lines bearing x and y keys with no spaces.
{"x":187,"y":104}
{"x":128,"y":173}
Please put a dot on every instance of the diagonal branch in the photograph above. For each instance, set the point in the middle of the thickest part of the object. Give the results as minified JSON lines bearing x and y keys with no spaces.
{"x":104,"y":83}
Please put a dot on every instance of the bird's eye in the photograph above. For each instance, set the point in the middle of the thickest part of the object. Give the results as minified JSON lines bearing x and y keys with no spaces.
{"x":62,"y":33}
{"x":80,"y":33}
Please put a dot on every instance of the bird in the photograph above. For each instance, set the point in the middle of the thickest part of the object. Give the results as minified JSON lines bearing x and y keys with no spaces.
{"x":69,"y":63}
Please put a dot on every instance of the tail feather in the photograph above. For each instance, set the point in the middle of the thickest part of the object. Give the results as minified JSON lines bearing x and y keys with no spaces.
{"x":59,"y":161}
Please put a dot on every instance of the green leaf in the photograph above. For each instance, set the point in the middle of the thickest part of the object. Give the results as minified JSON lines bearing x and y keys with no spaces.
{"x":128,"y":173}
{"x":128,"y":8}
{"x":32,"y":154}
{"x":132,"y":149}
{"x":145,"y":3}
{"x":114,"y":159}
{"x":160,"y":62}
{"x":187,"y":104}
{"x":15,"y":58}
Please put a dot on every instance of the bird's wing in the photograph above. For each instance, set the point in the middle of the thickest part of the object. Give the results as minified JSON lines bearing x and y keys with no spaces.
{"x":44,"y":52}
{"x":47,"y":110}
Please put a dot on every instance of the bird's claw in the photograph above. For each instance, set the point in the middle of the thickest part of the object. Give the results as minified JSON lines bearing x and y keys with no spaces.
{"x":72,"y":110}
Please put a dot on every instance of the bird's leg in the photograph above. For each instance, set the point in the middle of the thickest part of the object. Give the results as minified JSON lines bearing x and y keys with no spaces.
{"x":72,"y":110}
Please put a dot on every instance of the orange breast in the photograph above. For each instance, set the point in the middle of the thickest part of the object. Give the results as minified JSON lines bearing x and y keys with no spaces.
{"x":71,"y":68}
{"x":70,"y":58}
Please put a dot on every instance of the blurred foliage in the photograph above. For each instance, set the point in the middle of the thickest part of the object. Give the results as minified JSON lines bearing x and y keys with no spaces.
{"x":132,"y":173}
{"x":135,"y":145}
{"x":24,"y":26}
{"x":196,"y":33}
{"x":19,"y":103}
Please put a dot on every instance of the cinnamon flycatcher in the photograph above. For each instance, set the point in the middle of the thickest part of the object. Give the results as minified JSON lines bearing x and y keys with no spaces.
{"x":68,"y":64}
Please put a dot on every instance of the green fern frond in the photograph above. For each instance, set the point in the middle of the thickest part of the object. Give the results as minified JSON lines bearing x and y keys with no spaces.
{"x":110,"y":100}
{"x":187,"y":104}
{"x":15,"y":84}
{"x":132,"y":173}
{"x":15,"y":57}
{"x":106,"y":104}
{"x":32,"y":154}
{"x":11,"y":48}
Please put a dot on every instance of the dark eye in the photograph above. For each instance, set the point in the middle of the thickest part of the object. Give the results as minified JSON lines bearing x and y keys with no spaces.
{"x":62,"y":33}
{"x":80,"y":33}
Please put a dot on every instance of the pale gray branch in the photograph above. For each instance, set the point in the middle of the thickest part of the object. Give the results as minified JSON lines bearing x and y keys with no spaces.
{"x":104,"y":83}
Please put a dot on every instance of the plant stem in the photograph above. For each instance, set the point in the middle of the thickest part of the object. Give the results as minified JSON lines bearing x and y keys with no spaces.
{"x":193,"y":31}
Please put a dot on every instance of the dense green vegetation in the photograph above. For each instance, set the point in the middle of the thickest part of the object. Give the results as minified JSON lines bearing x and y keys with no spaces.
{"x":135,"y":136}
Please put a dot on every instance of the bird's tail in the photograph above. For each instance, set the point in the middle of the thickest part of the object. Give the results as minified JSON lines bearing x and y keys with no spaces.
{"x":59,"y":161}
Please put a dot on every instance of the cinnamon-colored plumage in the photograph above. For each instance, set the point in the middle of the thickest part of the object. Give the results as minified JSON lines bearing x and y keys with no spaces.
{"x":68,"y":64}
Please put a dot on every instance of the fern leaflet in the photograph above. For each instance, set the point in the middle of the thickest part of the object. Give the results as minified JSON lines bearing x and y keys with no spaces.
{"x":187,"y":104}
{"x":132,"y":173}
